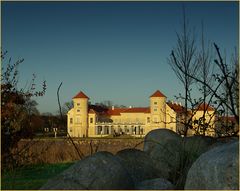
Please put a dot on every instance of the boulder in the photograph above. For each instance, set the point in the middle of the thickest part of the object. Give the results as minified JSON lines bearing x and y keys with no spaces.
{"x":157,"y":136}
{"x":193,"y":147}
{"x":216,"y":169}
{"x":138,"y":164}
{"x":164,"y":147}
{"x":223,"y":140}
{"x":155,"y":184}
{"x":101,"y":171}
{"x":198,"y":144}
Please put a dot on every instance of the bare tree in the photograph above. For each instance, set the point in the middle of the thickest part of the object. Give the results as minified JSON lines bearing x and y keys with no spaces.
{"x":184,"y":63}
{"x":217,"y":80}
{"x":66,"y":107}
{"x":228,"y":96}
{"x":206,"y":69}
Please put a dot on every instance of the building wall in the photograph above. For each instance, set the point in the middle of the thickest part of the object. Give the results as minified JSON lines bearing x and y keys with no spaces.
{"x":158,"y":111}
{"x":209,"y":119}
{"x":81,"y":123}
{"x":91,"y":124}
{"x":129,"y":118}
{"x":70,"y":122}
{"x":78,"y":118}
{"x":136,"y":124}
{"x":171,"y":119}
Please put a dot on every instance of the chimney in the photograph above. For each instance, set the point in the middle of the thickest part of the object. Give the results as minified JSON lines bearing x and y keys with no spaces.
{"x":112,"y":107}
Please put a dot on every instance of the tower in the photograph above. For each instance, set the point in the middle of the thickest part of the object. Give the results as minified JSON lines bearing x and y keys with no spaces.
{"x":80,"y":110}
{"x":158,"y":109}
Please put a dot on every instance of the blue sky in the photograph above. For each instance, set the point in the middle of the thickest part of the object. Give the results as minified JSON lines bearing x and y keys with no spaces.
{"x":113,"y":51}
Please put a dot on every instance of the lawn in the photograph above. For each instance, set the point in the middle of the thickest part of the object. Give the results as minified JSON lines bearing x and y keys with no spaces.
{"x":31,"y":177}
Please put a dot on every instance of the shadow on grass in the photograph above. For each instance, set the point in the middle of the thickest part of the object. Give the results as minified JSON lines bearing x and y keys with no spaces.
{"x":31,"y":177}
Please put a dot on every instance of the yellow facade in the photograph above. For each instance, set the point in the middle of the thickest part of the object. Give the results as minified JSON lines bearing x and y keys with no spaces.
{"x":171,"y":119}
{"x":205,"y":125}
{"x":78,"y":125}
{"x":84,"y":121}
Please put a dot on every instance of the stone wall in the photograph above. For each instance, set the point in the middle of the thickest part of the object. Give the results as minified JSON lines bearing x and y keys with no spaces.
{"x":62,"y":150}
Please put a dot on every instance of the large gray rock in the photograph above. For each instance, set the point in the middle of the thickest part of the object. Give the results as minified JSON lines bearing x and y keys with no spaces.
{"x":101,"y":171}
{"x":223,"y":140}
{"x":155,"y":184}
{"x":157,"y":136}
{"x":164,"y":147}
{"x":192,"y":148}
{"x":198,"y":144}
{"x":217,"y":168}
{"x":138,"y":164}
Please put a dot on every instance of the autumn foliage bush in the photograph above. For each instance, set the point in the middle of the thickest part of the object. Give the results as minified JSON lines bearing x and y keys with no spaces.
{"x":16,"y":110}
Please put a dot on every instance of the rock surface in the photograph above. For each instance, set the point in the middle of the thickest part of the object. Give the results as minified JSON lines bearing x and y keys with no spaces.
{"x":155,"y":184}
{"x":197,"y":144}
{"x":101,"y":171}
{"x":193,"y":147}
{"x":164,"y":147}
{"x":217,"y":168}
{"x":157,"y":136}
{"x":138,"y":164}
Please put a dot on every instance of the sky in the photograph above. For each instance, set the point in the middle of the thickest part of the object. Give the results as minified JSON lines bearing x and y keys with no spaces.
{"x":115,"y":51}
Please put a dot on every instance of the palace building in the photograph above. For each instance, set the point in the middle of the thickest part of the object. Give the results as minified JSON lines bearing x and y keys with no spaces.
{"x":86,"y":120}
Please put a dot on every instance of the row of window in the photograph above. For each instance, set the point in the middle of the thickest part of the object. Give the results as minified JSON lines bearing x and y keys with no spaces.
{"x":78,"y":120}
{"x":136,"y":130}
{"x":155,"y":103}
{"x":91,"y":120}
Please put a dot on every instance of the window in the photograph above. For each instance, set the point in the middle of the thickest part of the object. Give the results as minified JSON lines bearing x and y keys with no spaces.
{"x":71,"y":120}
{"x":78,"y":104}
{"x":70,"y":129}
{"x":91,"y":120}
{"x":78,"y":120}
{"x":78,"y":110}
{"x":125,"y":129}
{"x":148,"y":119}
{"x":155,"y":109}
{"x":99,"y":130}
{"x":155,"y":103}
{"x":107,"y":130}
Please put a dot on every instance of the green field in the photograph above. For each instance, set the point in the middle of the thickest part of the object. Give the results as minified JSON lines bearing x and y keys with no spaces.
{"x":31,"y":177}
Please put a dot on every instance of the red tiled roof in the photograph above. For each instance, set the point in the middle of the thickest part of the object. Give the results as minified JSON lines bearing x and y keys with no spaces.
{"x":138,"y":110}
{"x":176,"y":107}
{"x":118,"y":111}
{"x":158,"y":94}
{"x":205,"y":106}
{"x":91,"y":111}
{"x":81,"y":95}
{"x":98,"y":108}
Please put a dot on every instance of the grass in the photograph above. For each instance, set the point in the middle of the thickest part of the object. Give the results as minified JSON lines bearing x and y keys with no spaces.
{"x":31,"y":177}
